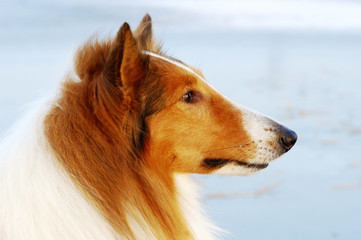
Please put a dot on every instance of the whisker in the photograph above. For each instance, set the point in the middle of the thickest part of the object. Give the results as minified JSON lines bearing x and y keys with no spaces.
{"x":217,"y":149}
{"x":246,"y":151}
{"x":236,"y":147}
{"x":243,"y":151}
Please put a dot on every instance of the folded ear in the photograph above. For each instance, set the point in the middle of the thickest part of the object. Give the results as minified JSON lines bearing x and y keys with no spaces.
{"x":125,"y":65}
{"x":144,"y":35}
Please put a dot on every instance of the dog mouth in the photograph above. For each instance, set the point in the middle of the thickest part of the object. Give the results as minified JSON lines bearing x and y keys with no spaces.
{"x":215,"y":163}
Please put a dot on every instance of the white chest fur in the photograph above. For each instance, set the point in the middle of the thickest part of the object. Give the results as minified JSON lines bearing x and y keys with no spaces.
{"x":39,"y":201}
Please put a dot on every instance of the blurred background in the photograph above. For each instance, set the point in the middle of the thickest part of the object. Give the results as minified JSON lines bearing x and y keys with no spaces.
{"x":298,"y":61}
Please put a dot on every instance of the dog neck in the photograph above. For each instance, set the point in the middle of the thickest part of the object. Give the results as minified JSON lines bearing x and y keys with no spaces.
{"x":122,"y":186}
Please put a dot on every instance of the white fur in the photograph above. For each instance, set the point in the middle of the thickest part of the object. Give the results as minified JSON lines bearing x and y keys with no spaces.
{"x":38,"y":200}
{"x":262,"y":130}
{"x":139,"y":226}
{"x":189,"y":201}
{"x":178,"y":64}
{"x":234,"y":169}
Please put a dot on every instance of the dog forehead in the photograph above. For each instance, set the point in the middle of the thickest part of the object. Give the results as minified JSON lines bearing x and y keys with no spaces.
{"x":175,"y":63}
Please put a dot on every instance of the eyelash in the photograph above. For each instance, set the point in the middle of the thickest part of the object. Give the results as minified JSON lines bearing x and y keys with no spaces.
{"x":190,"y":97}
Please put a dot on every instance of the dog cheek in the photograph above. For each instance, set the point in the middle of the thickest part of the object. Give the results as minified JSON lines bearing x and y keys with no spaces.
{"x":172,"y":145}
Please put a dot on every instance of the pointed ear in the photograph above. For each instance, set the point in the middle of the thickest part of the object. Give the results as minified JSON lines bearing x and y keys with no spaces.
{"x":143,"y":34}
{"x":125,"y":65}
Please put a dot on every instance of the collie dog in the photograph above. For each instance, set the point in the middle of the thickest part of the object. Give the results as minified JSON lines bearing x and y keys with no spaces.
{"x":110,"y":156}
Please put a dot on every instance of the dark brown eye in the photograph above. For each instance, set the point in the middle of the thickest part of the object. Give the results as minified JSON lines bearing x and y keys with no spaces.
{"x":191,"y":97}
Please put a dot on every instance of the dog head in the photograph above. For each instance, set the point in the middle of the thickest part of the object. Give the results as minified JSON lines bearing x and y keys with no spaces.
{"x":184,"y":125}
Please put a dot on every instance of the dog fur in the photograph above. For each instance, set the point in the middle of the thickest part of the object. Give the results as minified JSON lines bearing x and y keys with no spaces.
{"x":109,"y":156}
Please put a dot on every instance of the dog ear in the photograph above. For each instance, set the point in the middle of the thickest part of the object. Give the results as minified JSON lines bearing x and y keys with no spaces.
{"x":144,"y":34}
{"x":125,"y":65}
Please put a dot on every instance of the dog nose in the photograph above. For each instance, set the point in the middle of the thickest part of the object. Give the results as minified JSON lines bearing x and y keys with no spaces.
{"x":287,"y":138}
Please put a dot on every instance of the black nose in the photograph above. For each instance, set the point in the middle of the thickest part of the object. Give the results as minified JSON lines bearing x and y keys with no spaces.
{"x":287,"y":138}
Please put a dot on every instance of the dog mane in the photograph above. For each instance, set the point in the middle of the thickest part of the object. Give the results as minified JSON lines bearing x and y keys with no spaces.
{"x":96,"y":133}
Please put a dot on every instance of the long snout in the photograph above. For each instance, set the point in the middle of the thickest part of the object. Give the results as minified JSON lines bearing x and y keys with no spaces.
{"x":273,"y":139}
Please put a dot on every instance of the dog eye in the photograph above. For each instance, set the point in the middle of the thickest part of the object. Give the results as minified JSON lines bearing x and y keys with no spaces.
{"x":190,"y":97}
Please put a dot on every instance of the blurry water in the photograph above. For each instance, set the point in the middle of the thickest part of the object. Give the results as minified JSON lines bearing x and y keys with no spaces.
{"x":308,"y":79}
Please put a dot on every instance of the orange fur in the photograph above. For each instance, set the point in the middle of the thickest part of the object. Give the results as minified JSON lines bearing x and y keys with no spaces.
{"x":121,"y":131}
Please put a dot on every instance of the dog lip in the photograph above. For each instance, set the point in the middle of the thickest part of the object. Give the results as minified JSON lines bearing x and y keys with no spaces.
{"x":252,"y":165}
{"x":219,"y":162}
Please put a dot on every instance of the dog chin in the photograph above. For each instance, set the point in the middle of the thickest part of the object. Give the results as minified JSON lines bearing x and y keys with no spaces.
{"x":239,"y":169}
